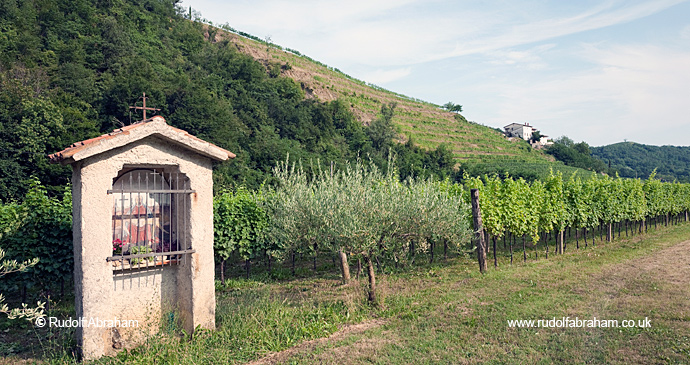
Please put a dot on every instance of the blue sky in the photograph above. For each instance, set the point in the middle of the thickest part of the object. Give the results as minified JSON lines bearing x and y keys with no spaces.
{"x":598,"y":71}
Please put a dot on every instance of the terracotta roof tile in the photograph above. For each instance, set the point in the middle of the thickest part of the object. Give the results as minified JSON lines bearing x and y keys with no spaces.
{"x":69,"y":153}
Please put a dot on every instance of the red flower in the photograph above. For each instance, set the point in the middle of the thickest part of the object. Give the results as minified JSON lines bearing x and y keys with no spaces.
{"x":117,"y":245}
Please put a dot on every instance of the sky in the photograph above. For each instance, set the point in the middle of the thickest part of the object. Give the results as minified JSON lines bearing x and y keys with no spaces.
{"x":597,"y":71}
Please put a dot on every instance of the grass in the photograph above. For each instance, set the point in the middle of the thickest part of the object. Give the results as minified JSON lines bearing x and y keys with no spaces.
{"x":440,"y":312}
{"x":457,"y":316}
{"x":251,"y":322}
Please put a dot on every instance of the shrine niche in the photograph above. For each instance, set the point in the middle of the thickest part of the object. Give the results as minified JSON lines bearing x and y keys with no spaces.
{"x":148,"y":218}
{"x":143,"y":232}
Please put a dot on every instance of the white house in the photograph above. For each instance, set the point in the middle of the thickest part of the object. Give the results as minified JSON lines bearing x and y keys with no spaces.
{"x":523,"y":131}
{"x":544,"y":141}
{"x":541,"y":143}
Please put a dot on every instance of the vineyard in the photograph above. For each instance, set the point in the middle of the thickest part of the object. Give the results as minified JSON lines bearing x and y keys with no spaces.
{"x":514,"y":209}
{"x":370,"y":216}
{"x":304,"y":249}
{"x":356,"y":211}
{"x":356,"y":216}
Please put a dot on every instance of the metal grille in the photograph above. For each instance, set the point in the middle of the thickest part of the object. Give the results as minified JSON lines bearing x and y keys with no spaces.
{"x":149,"y":219}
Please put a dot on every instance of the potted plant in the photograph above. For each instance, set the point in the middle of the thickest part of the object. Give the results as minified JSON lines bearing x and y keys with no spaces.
{"x":135,"y":250}
{"x":117,"y":247}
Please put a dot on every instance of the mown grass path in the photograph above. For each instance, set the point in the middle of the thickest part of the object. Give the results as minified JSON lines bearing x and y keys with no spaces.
{"x":452,"y":315}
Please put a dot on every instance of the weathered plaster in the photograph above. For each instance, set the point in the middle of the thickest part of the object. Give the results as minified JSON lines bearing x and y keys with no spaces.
{"x":143,"y":295}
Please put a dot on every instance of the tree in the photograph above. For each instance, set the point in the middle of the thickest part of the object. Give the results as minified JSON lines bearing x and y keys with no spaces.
{"x":10,"y":266}
{"x":381,"y":131}
{"x":582,"y":148}
{"x":452,"y":107}
{"x":360,"y":211}
{"x":564,"y":140}
{"x":268,"y":41}
{"x":441,"y":159}
{"x":579,"y":155}
{"x":536,"y":136}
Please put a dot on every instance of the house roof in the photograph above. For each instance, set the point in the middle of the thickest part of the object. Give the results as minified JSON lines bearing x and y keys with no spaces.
{"x":156,"y":126}
{"x":519,"y":125}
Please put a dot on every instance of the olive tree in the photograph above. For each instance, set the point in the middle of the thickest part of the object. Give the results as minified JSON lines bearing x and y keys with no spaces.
{"x":10,"y":266}
{"x":358,"y":209}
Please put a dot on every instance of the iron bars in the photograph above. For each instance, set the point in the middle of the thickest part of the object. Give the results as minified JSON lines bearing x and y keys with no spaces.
{"x":150,"y":219}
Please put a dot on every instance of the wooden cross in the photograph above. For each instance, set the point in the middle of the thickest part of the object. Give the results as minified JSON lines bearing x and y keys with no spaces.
{"x":144,"y":108}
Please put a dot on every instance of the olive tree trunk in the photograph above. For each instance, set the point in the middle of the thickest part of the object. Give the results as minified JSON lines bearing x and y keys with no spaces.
{"x":372,"y":278}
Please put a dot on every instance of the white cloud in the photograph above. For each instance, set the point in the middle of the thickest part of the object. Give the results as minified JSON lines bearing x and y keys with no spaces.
{"x":530,"y":59}
{"x":638,"y":92}
{"x":404,"y":32}
{"x":314,"y":16}
{"x":530,"y":30}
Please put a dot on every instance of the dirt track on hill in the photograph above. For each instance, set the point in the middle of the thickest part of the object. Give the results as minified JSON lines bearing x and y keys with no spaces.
{"x":308,"y":346}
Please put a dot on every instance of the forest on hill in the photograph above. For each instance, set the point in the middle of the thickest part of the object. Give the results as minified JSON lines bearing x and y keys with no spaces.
{"x":70,"y":70}
{"x":578,"y":155}
{"x":639,"y":160}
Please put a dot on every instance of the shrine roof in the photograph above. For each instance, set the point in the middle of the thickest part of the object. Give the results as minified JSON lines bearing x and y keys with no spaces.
{"x":155,"y":126}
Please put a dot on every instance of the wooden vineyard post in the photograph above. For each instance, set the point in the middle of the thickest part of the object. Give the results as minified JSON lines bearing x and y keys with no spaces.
{"x":609,"y":230}
{"x":559,"y":243}
{"x":344,"y":266}
{"x":479,"y":230}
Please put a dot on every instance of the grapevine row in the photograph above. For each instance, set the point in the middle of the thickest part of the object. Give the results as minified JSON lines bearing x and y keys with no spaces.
{"x":516,"y":208}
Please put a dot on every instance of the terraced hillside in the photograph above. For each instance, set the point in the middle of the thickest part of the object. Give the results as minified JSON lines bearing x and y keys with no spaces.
{"x":426,"y":123}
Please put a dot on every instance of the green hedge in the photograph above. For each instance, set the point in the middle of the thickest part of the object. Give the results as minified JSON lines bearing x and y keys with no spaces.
{"x":39,"y":227}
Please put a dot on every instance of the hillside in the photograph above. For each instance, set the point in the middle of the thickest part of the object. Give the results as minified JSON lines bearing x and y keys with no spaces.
{"x":71,"y":71}
{"x":639,"y":160}
{"x":426,"y":123}
{"x":478,"y":149}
